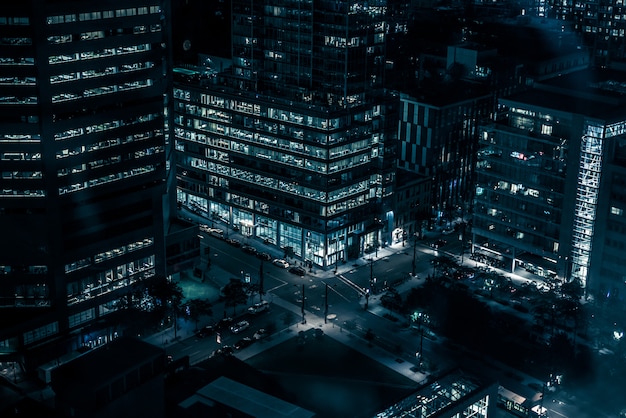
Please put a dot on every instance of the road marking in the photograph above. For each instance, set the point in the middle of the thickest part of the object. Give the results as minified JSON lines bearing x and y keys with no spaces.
{"x":558,"y":413}
{"x":337,"y":292}
{"x":351,"y":284}
{"x":283,"y":283}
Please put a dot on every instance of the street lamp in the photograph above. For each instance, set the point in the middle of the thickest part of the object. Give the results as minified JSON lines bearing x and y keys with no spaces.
{"x":336,"y":253}
{"x":302,"y":304}
{"x":417,"y":316}
{"x":462,"y":239}
{"x":414,"y":254}
{"x":326,"y":304}
{"x":372,"y":278}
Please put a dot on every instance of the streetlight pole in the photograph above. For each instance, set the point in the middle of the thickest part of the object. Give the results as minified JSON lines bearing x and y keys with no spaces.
{"x":372,"y":278}
{"x":421,"y":347}
{"x":302,"y":307}
{"x":462,"y":239}
{"x":414,"y":255}
{"x":326,"y":305}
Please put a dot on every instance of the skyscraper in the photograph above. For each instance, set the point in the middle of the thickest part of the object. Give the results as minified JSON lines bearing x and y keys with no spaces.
{"x":288,"y":144}
{"x":83,"y":156}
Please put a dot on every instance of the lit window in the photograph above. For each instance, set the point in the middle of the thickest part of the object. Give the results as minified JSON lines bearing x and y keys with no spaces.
{"x":616,"y":211}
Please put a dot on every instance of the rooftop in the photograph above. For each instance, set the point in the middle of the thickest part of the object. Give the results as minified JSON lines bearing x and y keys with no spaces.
{"x":245,"y":399}
{"x":104,"y":364}
{"x":591,"y":92}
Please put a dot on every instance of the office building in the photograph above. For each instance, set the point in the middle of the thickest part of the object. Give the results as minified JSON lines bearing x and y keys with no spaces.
{"x":291,"y":143}
{"x":83,"y":155}
{"x":550,"y":176}
{"x":437,"y":139}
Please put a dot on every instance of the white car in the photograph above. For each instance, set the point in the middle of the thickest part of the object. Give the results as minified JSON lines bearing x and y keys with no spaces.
{"x":239,"y":327}
{"x":259,"y":307}
{"x":281,"y":263}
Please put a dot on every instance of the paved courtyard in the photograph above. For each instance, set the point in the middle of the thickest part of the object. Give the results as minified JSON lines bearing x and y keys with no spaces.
{"x":330,"y":378}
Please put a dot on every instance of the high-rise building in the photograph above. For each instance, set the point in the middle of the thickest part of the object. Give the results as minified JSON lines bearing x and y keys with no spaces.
{"x":437,"y":139}
{"x":290,"y":144}
{"x":83,"y":156}
{"x":550,"y":176}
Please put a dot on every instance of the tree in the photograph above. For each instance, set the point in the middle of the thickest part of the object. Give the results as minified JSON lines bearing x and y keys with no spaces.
{"x":198,"y":307}
{"x":234,"y":294}
{"x":391,"y":300}
{"x":573,"y":290}
{"x":444,"y":263}
{"x":167,"y":296}
{"x":288,"y":252}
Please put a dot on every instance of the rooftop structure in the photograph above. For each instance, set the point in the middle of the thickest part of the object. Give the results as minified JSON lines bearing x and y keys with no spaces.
{"x":121,"y":379}
{"x":448,"y":396}
{"x":224,"y":394}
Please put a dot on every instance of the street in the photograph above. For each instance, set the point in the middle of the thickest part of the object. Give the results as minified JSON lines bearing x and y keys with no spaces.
{"x":351,"y":310}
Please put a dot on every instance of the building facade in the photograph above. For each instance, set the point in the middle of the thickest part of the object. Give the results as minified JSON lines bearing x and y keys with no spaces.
{"x":290,"y":144}
{"x":83,"y":154}
{"x":549,"y":181}
{"x":437,"y":139}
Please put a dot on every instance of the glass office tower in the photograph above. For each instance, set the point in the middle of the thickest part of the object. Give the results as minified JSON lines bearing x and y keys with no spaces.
{"x":550,"y":182}
{"x":288,"y":143}
{"x":82,"y":150}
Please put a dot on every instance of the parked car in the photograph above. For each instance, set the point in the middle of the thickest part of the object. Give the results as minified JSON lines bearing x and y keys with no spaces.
{"x":239,"y":327}
{"x":243,"y":343}
{"x":223,"y":323}
{"x":216,"y":232}
{"x":280,"y":263}
{"x":249,"y":249}
{"x":264,"y":256}
{"x":205,"y":331}
{"x":297,"y":270}
{"x":259,"y":307}
{"x":234,"y":242}
{"x":225,"y":350}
